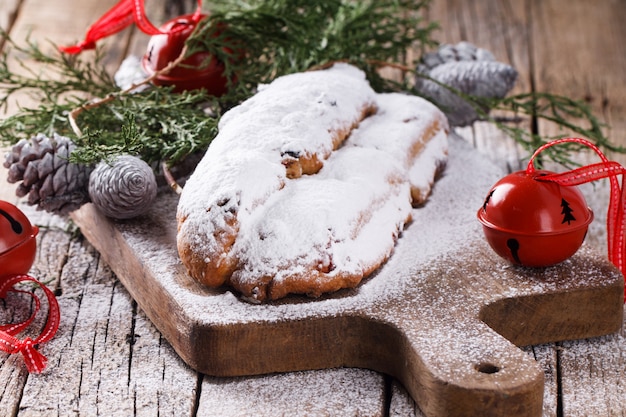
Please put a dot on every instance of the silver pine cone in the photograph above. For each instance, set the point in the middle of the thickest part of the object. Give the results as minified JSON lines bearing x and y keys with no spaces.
{"x":468,"y":69}
{"x":44,"y":174}
{"x":123,"y":188}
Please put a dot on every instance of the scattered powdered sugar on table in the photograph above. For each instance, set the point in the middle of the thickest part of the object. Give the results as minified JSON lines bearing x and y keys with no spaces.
{"x":592,"y":374}
{"x":231,"y":396}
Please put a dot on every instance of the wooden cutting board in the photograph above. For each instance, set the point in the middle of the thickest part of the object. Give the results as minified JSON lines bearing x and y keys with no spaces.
{"x":443,"y":315}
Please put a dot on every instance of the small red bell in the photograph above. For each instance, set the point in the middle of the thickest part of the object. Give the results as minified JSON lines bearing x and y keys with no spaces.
{"x":534,"y":223}
{"x":17,"y":253}
{"x":17,"y":240}
{"x":200,"y":70}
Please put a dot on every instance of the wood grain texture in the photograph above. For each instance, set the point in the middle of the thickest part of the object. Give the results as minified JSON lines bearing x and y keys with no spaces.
{"x":313,"y":393}
{"x":592,"y":373}
{"x":7,"y":15}
{"x":570,"y":58}
{"x":502,"y":28}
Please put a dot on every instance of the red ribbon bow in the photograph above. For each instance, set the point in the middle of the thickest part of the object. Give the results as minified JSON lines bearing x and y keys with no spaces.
{"x":119,"y":17}
{"x":605,"y":169}
{"x":35,"y":361}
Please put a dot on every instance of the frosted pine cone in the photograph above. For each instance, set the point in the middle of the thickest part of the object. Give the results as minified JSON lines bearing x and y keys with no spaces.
{"x":130,"y":73}
{"x":123,"y":188}
{"x":468,"y":69}
{"x":47,"y":177}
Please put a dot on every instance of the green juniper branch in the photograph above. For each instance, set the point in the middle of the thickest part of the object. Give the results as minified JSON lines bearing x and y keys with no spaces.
{"x":165,"y":126}
{"x":574,"y":116}
{"x":257,"y":40}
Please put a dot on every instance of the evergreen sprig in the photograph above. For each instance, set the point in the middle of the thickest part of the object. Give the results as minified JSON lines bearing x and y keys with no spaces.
{"x":66,"y":74}
{"x":164,"y":126}
{"x":157,"y":124}
{"x":573,"y":117}
{"x":257,"y":40}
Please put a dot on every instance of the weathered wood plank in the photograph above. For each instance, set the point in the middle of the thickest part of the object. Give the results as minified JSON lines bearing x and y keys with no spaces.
{"x":13,"y":374}
{"x":159,"y":382}
{"x":401,"y":403}
{"x":91,"y":364}
{"x":57,"y":23}
{"x":52,"y":244}
{"x":46,"y":23}
{"x":579,"y":51}
{"x":573,"y":57}
{"x":546,"y":356}
{"x":333,"y":392}
{"x":500,"y":26}
{"x":592,"y":376}
{"x":107,"y":359}
{"x":8,"y":11}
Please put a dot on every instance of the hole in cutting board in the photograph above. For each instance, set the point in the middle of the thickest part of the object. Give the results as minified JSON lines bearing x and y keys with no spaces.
{"x":487,"y":368}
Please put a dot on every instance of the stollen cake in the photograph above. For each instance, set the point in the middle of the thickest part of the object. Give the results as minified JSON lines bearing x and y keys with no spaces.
{"x":308,"y":185}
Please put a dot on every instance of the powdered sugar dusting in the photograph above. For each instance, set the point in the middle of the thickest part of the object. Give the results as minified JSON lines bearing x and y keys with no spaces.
{"x":403,"y":127}
{"x":341,"y":222}
{"x":285,"y":235}
{"x":300,"y":116}
{"x":261,"y":116}
{"x":592,"y":373}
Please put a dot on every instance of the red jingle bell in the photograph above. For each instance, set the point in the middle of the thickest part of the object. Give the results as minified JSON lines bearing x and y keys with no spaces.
{"x":532,"y":222}
{"x":17,"y":253}
{"x":17,"y":240}
{"x":200,"y":70}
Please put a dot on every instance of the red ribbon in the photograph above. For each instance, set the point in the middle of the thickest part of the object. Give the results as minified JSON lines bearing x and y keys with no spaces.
{"x":119,"y":17}
{"x":617,"y":203}
{"x":35,"y":361}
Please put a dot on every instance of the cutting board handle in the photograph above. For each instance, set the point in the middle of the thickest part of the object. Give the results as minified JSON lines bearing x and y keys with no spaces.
{"x":465,"y":370}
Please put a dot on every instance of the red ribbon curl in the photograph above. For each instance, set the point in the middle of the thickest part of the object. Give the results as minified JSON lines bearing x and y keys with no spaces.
{"x":35,"y":361}
{"x":617,"y":203}
{"x":119,"y":17}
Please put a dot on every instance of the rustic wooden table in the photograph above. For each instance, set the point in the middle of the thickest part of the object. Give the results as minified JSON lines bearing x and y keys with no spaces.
{"x":108,"y":359}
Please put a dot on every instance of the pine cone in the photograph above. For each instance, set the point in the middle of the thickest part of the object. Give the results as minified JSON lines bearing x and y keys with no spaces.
{"x":468,"y":69}
{"x":47,"y":177}
{"x":123,"y":188}
{"x":130,"y":72}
